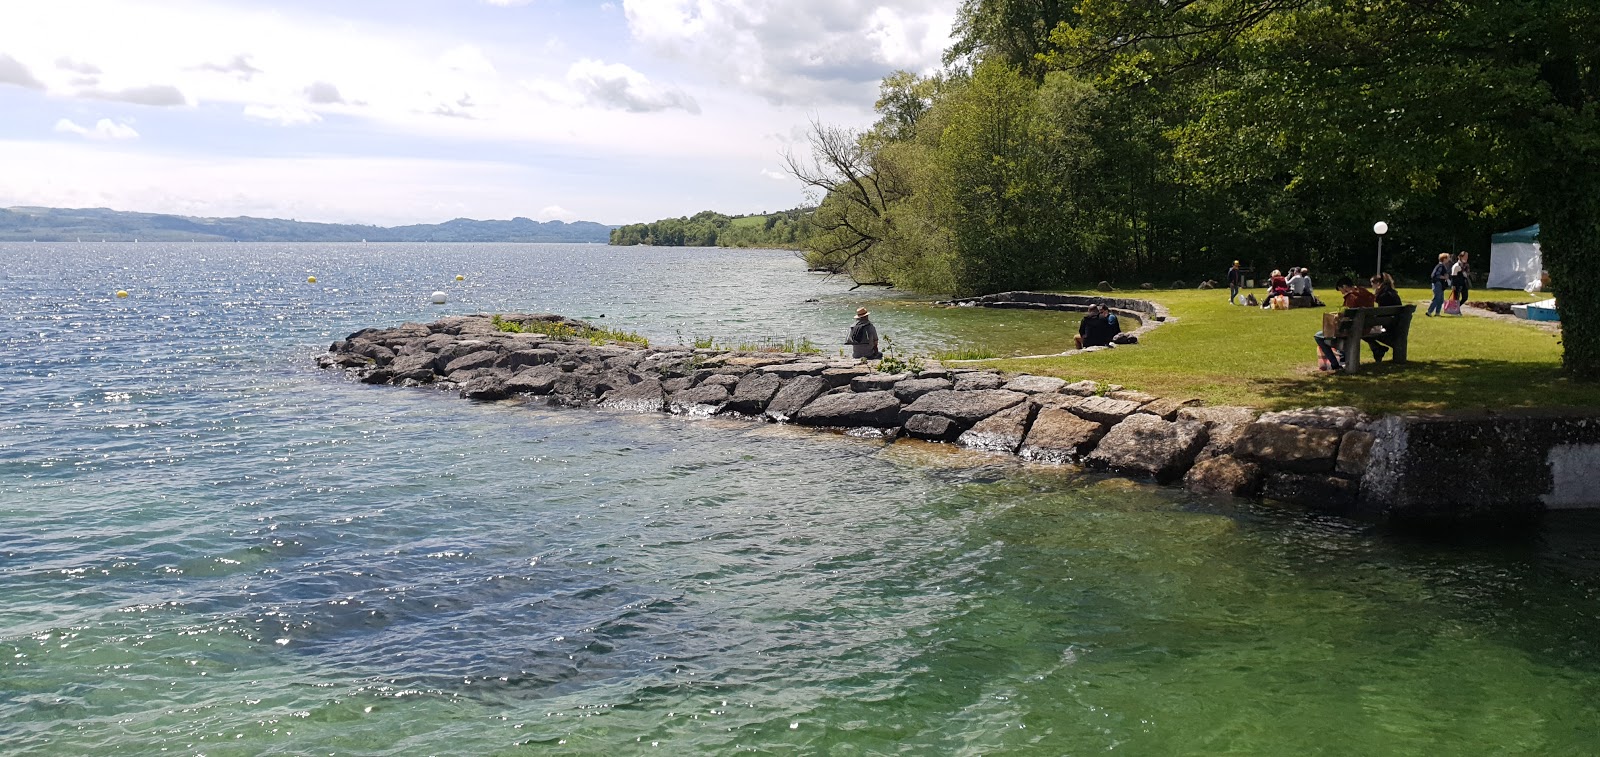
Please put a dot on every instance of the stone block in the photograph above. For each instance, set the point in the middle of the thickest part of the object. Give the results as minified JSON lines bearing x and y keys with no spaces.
{"x":876,"y":409}
{"x":647,"y":396}
{"x":1105,"y":410}
{"x":964,"y":407}
{"x":1218,"y":415}
{"x":876,"y":382}
{"x":1085,"y":388}
{"x":700,"y":400}
{"x":973,"y":382}
{"x":1034,"y":384}
{"x":837,"y":377}
{"x":1131,"y":395}
{"x":1148,"y":446}
{"x":1288,"y":448}
{"x":472,"y":361}
{"x":909,"y":390}
{"x":485,"y":388}
{"x":1167,"y":408}
{"x":1329,"y":493}
{"x":1354,"y":449}
{"x":1059,"y":436}
{"x":791,"y":370}
{"x":540,"y":379}
{"x":932,"y":427}
{"x":752,"y":393}
{"x":1224,"y":475}
{"x":1003,"y":431}
{"x":1339,"y":419}
{"x":795,"y":394}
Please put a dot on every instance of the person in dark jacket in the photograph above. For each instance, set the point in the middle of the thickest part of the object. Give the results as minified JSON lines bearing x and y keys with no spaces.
{"x":1098,"y":327}
{"x":1383,"y":289}
{"x":1235,"y":280}
{"x":1440,"y":278}
{"x":864,"y":337}
{"x":1461,"y":279}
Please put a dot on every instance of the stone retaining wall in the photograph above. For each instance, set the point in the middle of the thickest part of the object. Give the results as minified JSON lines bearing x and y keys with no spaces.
{"x":1318,"y":457}
{"x":1147,"y":314}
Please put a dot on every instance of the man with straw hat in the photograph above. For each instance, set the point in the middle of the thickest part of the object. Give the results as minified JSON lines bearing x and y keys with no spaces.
{"x":864,"y":337}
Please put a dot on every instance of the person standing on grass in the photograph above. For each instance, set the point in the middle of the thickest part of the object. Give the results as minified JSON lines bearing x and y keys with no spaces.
{"x":1460,"y":281}
{"x":1440,"y":278}
{"x":864,"y":337}
{"x":1235,"y":280}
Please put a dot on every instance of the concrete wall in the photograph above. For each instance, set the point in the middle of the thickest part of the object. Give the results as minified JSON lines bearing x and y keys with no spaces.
{"x":1485,"y":467}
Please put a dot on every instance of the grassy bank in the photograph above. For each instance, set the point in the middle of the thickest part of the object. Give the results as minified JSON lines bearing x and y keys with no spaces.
{"x":1238,"y":355}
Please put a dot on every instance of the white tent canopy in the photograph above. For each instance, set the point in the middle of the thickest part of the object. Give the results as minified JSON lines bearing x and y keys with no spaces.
{"x":1514,"y":260}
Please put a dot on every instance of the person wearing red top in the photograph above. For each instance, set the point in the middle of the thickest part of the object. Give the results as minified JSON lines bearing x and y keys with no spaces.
{"x":1354,"y":297}
{"x":1357,"y":296}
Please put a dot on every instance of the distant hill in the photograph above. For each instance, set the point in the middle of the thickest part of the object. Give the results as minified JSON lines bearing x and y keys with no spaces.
{"x":64,"y":225}
{"x":783,"y":229}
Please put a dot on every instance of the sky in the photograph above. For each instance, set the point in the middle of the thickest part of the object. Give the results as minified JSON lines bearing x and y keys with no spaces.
{"x":419,"y":111}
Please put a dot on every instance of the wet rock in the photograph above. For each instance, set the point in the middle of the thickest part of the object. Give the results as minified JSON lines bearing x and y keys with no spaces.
{"x":837,"y":377}
{"x":459,"y":348}
{"x":1148,"y":446}
{"x":1085,"y":388}
{"x":877,"y":409}
{"x":1288,"y":448}
{"x":512,"y":361}
{"x":1334,"y":418}
{"x":932,"y":427}
{"x":706,"y":399}
{"x":873,"y":432}
{"x":725,"y":380}
{"x":1323,"y":492}
{"x":647,"y":396}
{"x":975,"y":382}
{"x":377,"y":375}
{"x":1166,"y":408}
{"x":486,"y":388}
{"x":1354,"y":450}
{"x":752,"y":393}
{"x":909,"y":390}
{"x":1224,"y":475}
{"x":415,"y":366}
{"x":876,"y":382}
{"x":964,"y":407}
{"x":1001,"y":432}
{"x":1105,"y":410}
{"x":1035,"y":385}
{"x":795,"y":394}
{"x":1059,"y":436}
{"x":678,"y":384}
{"x":535,"y":380}
{"x":376,"y":352}
{"x":1221,"y":439}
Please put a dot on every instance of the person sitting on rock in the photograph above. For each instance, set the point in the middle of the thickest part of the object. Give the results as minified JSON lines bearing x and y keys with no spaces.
{"x":864,"y":337}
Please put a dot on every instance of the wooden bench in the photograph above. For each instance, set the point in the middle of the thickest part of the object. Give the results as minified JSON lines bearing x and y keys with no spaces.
{"x":1354,"y":323}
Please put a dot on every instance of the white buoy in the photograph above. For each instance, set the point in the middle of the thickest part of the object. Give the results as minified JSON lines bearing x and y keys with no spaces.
{"x":438,"y":298}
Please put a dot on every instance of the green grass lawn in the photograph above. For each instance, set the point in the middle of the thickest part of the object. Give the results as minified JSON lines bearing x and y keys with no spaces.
{"x":748,"y":221}
{"x":1265,"y":358}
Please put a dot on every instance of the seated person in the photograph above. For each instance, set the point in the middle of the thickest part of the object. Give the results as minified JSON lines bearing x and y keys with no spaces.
{"x":1277,"y":285}
{"x":1385,"y":296}
{"x":1087,"y":326}
{"x":1354,"y":297}
{"x":1098,"y":327}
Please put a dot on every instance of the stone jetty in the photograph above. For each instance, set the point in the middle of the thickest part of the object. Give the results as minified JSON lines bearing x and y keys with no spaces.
{"x":1316,"y":457}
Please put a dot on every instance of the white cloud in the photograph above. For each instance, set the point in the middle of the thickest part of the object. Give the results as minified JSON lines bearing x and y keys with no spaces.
{"x":283,"y":115}
{"x":775,"y":174}
{"x":157,"y":95}
{"x":614,"y":85}
{"x":13,"y":72}
{"x":77,"y":66}
{"x":239,"y":66}
{"x":105,"y":129}
{"x":555,"y":213}
{"x":797,"y":51}
{"x":323,"y":93}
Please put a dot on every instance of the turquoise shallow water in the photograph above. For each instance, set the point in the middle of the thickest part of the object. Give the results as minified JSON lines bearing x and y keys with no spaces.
{"x":207,"y":546}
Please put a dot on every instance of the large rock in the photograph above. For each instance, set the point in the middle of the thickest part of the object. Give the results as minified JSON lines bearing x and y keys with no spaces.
{"x":973,"y":382}
{"x":1148,"y":446}
{"x":1288,"y":448}
{"x":795,"y":394}
{"x":647,"y":396}
{"x":415,"y":366}
{"x":1084,"y":388}
{"x":791,"y":370}
{"x":1001,"y":432}
{"x":1224,"y":475}
{"x":513,"y":361}
{"x":1217,"y":415}
{"x":1131,"y":395}
{"x":460,"y":348}
{"x":752,"y":393}
{"x":964,"y":407}
{"x":1221,"y":438}
{"x":932,"y":427}
{"x":1059,"y":436}
{"x":1028,"y":384}
{"x":1355,"y":449}
{"x":909,"y":390}
{"x":701,"y":400}
{"x":876,"y":382}
{"x":536,"y":380}
{"x":1332,"y":418}
{"x":1105,"y":410}
{"x":877,"y":409}
{"x":1320,"y":491}
{"x":725,"y":380}
{"x":837,"y":377}
{"x":472,"y":361}
{"x":1166,"y":408}
{"x":486,"y":388}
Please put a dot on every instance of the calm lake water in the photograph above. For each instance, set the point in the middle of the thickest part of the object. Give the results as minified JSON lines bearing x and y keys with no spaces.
{"x":207,"y":546}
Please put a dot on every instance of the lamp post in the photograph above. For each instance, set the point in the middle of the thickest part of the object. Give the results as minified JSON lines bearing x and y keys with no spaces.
{"x":1380,"y":228}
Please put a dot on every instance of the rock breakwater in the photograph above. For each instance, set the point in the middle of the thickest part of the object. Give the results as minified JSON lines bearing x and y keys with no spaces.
{"x":1314,"y":457}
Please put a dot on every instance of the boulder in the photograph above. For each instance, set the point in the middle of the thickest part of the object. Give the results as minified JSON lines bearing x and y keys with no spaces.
{"x":791,"y":370}
{"x":376,"y":352}
{"x":725,"y":380}
{"x":752,"y":393}
{"x":415,"y":366}
{"x":1132,"y":395}
{"x":700,"y":400}
{"x":876,"y":409}
{"x":837,"y":377}
{"x":1056,"y":401}
{"x":1034,"y":384}
{"x":876,"y":382}
{"x":376,"y":375}
{"x":1104,"y":286}
{"x":1105,"y":410}
{"x":964,"y":407}
{"x":1323,"y":492}
{"x":647,"y":396}
{"x":535,"y":380}
{"x":486,"y":388}
{"x":1084,"y":388}
{"x":457,"y":348}
{"x":1058,"y":436}
{"x":932,"y":427}
{"x":1288,"y":448}
{"x":1001,"y":432}
{"x":1354,"y":450}
{"x":1167,"y":408}
{"x":909,"y":390}
{"x":1224,"y":475}
{"x":1207,"y":285}
{"x":512,"y":361}
{"x":1221,"y":414}
{"x":1147,"y":285}
{"x":795,"y":394}
{"x":973,"y":382}
{"x":1148,"y":446}
{"x":678,"y":384}
{"x":1334,"y":418}
{"x":471,"y":361}
{"x":1221,"y":439}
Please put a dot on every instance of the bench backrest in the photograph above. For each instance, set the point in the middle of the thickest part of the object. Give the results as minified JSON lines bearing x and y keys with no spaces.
{"x":1383,"y":316}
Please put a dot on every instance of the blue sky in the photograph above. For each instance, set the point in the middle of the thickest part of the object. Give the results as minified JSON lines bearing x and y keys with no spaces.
{"x":407,"y":111}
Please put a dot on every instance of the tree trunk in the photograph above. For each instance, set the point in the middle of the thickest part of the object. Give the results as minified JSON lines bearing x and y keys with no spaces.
{"x":1569,"y":241}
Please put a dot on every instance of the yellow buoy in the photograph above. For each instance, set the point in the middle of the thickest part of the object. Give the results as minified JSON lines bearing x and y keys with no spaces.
{"x":460,"y":278}
{"x":122,"y":294}
{"x":311,"y":279}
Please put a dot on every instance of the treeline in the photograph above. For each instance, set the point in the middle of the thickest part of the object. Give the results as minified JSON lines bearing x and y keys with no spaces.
{"x":784,"y":229}
{"x":1067,"y":142}
{"x":66,"y":225}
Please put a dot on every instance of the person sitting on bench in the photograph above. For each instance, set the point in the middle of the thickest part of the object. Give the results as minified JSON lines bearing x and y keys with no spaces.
{"x":1354,"y":297}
